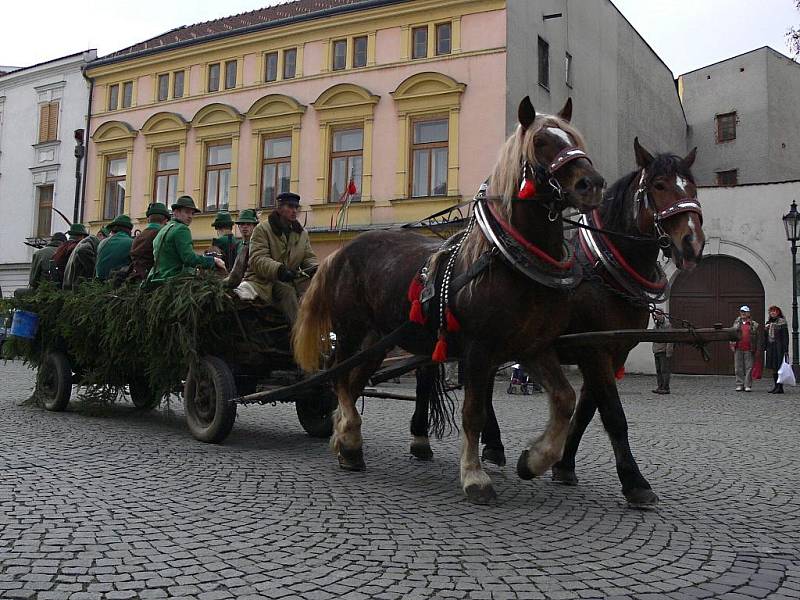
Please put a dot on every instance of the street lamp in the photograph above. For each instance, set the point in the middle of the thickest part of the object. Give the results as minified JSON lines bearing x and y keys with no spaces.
{"x":791,"y":222}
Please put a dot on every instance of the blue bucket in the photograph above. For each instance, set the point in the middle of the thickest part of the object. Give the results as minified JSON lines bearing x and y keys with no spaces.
{"x":24,"y":324}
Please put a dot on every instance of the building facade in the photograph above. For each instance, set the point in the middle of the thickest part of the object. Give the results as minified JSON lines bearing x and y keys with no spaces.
{"x":410,"y":100}
{"x":40,"y":108}
{"x":744,"y":119}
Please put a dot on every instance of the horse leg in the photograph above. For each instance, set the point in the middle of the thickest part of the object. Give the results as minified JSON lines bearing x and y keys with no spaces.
{"x":493,"y":450}
{"x":564,"y":470}
{"x":543,"y":452}
{"x":420,"y":442}
{"x":599,"y":375}
{"x":475,"y":482}
{"x":346,"y":441}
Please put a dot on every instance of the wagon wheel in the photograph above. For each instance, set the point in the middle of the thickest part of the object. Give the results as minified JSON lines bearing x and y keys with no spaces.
{"x":316,"y":412}
{"x":54,"y":381}
{"x":209,"y":388}
{"x":142,"y":396}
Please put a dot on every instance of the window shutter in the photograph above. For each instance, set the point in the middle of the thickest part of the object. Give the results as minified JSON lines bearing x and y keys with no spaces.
{"x":52,"y":122}
{"x":44,"y":112}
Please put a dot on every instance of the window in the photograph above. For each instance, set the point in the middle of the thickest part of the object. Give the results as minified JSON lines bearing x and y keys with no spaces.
{"x":725,"y":178}
{"x":289,"y":63}
{"x":113,"y":97}
{"x":271,"y":67}
{"x":230,"y":74}
{"x":419,"y":42}
{"x":429,"y":158}
{"x":218,"y":176}
{"x":127,"y":94}
{"x":48,"y":122}
{"x":177,"y":85}
{"x":339,"y":55}
{"x":360,"y":52}
{"x":443,"y":38}
{"x":544,"y":64}
{"x":213,"y":77}
{"x":116,"y":170}
{"x":166,"y":182}
{"x":346,"y":162}
{"x":568,"y":69}
{"x":726,"y":127}
{"x":44,"y":221}
{"x":163,"y":87}
{"x":276,"y":169}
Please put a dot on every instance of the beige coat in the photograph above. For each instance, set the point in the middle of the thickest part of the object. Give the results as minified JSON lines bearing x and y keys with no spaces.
{"x":272,"y":246}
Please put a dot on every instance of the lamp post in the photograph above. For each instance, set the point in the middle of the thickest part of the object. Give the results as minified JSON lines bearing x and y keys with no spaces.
{"x":80,"y":151}
{"x":791,"y":222}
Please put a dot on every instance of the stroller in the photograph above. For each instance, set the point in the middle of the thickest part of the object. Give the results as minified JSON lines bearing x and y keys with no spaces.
{"x":521,"y":383}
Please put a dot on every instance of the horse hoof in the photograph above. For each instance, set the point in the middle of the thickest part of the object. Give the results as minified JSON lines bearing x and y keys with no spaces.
{"x":421,"y":452}
{"x":565,"y":476}
{"x":522,"y":466}
{"x":496,"y":456}
{"x":641,"y":498}
{"x":477,"y":494}
{"x":352,"y":460}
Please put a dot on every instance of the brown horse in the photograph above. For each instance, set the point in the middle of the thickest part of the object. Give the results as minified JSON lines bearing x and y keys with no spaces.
{"x":361,"y":294}
{"x":656,"y":208}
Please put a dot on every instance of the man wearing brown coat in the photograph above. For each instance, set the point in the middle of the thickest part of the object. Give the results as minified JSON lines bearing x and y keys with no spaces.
{"x":280,"y":255}
{"x":142,"y":247}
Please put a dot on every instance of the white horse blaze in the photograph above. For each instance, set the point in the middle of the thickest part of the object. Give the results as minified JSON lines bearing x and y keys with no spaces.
{"x":681,"y":183}
{"x":561,"y":134}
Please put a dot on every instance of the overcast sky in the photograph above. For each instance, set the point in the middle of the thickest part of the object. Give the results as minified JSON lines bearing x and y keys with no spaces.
{"x":686,"y":34}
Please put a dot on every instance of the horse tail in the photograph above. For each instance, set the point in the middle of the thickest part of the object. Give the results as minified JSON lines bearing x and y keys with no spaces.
{"x":311,"y":336}
{"x":441,"y":404}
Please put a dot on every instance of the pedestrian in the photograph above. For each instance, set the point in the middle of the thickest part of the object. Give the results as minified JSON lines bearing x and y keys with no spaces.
{"x":142,"y":247}
{"x":776,"y":333}
{"x":114,"y":253}
{"x":662,"y":354}
{"x":42,"y":260}
{"x":745,"y":349}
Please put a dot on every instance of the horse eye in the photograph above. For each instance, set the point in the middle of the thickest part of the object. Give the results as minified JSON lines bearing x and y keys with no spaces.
{"x":659,"y":186}
{"x":539,"y":143}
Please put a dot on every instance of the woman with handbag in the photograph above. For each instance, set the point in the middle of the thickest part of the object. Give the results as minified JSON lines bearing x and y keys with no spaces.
{"x":776,"y":337}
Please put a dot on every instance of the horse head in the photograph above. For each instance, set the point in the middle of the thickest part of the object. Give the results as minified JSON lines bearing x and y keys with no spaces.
{"x":666,"y":204}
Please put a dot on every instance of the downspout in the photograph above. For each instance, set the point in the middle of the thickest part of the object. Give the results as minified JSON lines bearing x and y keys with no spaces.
{"x":87,"y":137}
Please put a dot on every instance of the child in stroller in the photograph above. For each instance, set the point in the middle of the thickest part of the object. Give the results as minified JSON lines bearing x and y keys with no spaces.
{"x":521,"y":383}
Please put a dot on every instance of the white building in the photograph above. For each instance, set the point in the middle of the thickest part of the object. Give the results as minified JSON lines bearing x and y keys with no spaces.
{"x":40,"y":108}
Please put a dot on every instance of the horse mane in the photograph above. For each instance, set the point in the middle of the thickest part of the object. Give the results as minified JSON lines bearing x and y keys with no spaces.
{"x":507,"y":173}
{"x":616,"y":213}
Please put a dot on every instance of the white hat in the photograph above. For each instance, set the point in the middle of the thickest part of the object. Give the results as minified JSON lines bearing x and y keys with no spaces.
{"x":745,"y":308}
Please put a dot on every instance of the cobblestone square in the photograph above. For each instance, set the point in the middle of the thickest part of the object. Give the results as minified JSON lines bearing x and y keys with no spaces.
{"x":119,"y":504}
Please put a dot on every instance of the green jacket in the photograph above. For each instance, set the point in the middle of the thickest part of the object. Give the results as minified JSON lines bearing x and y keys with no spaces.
{"x":174,"y":254}
{"x":113,"y":253}
{"x":229,"y":246}
{"x":40,"y":264}
{"x":272,"y":246}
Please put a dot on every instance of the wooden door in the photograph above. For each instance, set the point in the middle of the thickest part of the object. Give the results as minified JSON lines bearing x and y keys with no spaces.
{"x":710,"y":294}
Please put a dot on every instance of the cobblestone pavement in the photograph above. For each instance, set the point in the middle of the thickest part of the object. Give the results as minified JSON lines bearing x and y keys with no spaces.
{"x":128,"y":505}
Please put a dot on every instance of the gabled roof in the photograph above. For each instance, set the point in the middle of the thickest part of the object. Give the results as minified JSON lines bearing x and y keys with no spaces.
{"x":256,"y":19}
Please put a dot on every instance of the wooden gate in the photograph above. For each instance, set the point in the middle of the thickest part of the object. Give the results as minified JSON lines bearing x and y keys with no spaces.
{"x":713,"y":293}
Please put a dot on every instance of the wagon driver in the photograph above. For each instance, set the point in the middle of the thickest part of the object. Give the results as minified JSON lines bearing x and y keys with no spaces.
{"x":280,"y":257}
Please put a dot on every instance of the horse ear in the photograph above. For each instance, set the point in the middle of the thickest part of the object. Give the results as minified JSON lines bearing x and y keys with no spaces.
{"x":689,"y":160}
{"x":566,"y":112}
{"x":526,"y":113}
{"x":643,"y":157}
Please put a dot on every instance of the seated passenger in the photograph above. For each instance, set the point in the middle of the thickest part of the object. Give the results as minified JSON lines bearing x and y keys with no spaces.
{"x":246,"y":223}
{"x":142,"y":247}
{"x":227,"y":245}
{"x":114,"y":253}
{"x":81,"y":263}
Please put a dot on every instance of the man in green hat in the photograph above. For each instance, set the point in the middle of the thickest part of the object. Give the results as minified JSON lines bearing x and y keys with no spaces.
{"x":280,"y":256}
{"x":81,"y":263}
{"x":142,"y":247}
{"x":225,"y":243}
{"x":77,"y":232}
{"x":114,"y":253}
{"x":43,"y":258}
{"x":246,"y":223}
{"x":173,"y":253}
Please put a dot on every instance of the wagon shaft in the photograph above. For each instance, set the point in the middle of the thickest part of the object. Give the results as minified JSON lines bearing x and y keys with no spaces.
{"x":686,"y":336}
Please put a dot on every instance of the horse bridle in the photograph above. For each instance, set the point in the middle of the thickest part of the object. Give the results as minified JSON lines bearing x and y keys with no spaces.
{"x":546,"y":175}
{"x":643,"y":201}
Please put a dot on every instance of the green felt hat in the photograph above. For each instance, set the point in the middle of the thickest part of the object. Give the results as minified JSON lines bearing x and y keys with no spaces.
{"x":248,"y":215}
{"x":105,"y":230}
{"x":223,"y":220}
{"x":77,"y":229}
{"x":185,"y":202}
{"x":123,"y":221}
{"x":157,"y":208}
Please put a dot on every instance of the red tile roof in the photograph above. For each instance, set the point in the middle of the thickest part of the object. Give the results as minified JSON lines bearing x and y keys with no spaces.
{"x":263,"y":16}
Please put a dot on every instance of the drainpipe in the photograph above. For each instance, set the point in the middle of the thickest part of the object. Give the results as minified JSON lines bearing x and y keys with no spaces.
{"x":87,"y":138}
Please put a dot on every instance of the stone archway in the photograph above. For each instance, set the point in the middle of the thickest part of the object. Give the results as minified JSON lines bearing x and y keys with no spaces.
{"x":710,"y":294}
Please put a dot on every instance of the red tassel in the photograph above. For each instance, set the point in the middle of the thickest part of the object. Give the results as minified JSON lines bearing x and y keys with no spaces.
{"x":452,"y":322}
{"x":416,"y":315}
{"x":351,"y":188}
{"x":440,"y":351}
{"x":527,"y":189}
{"x":620,"y":374}
{"x":414,"y":289}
